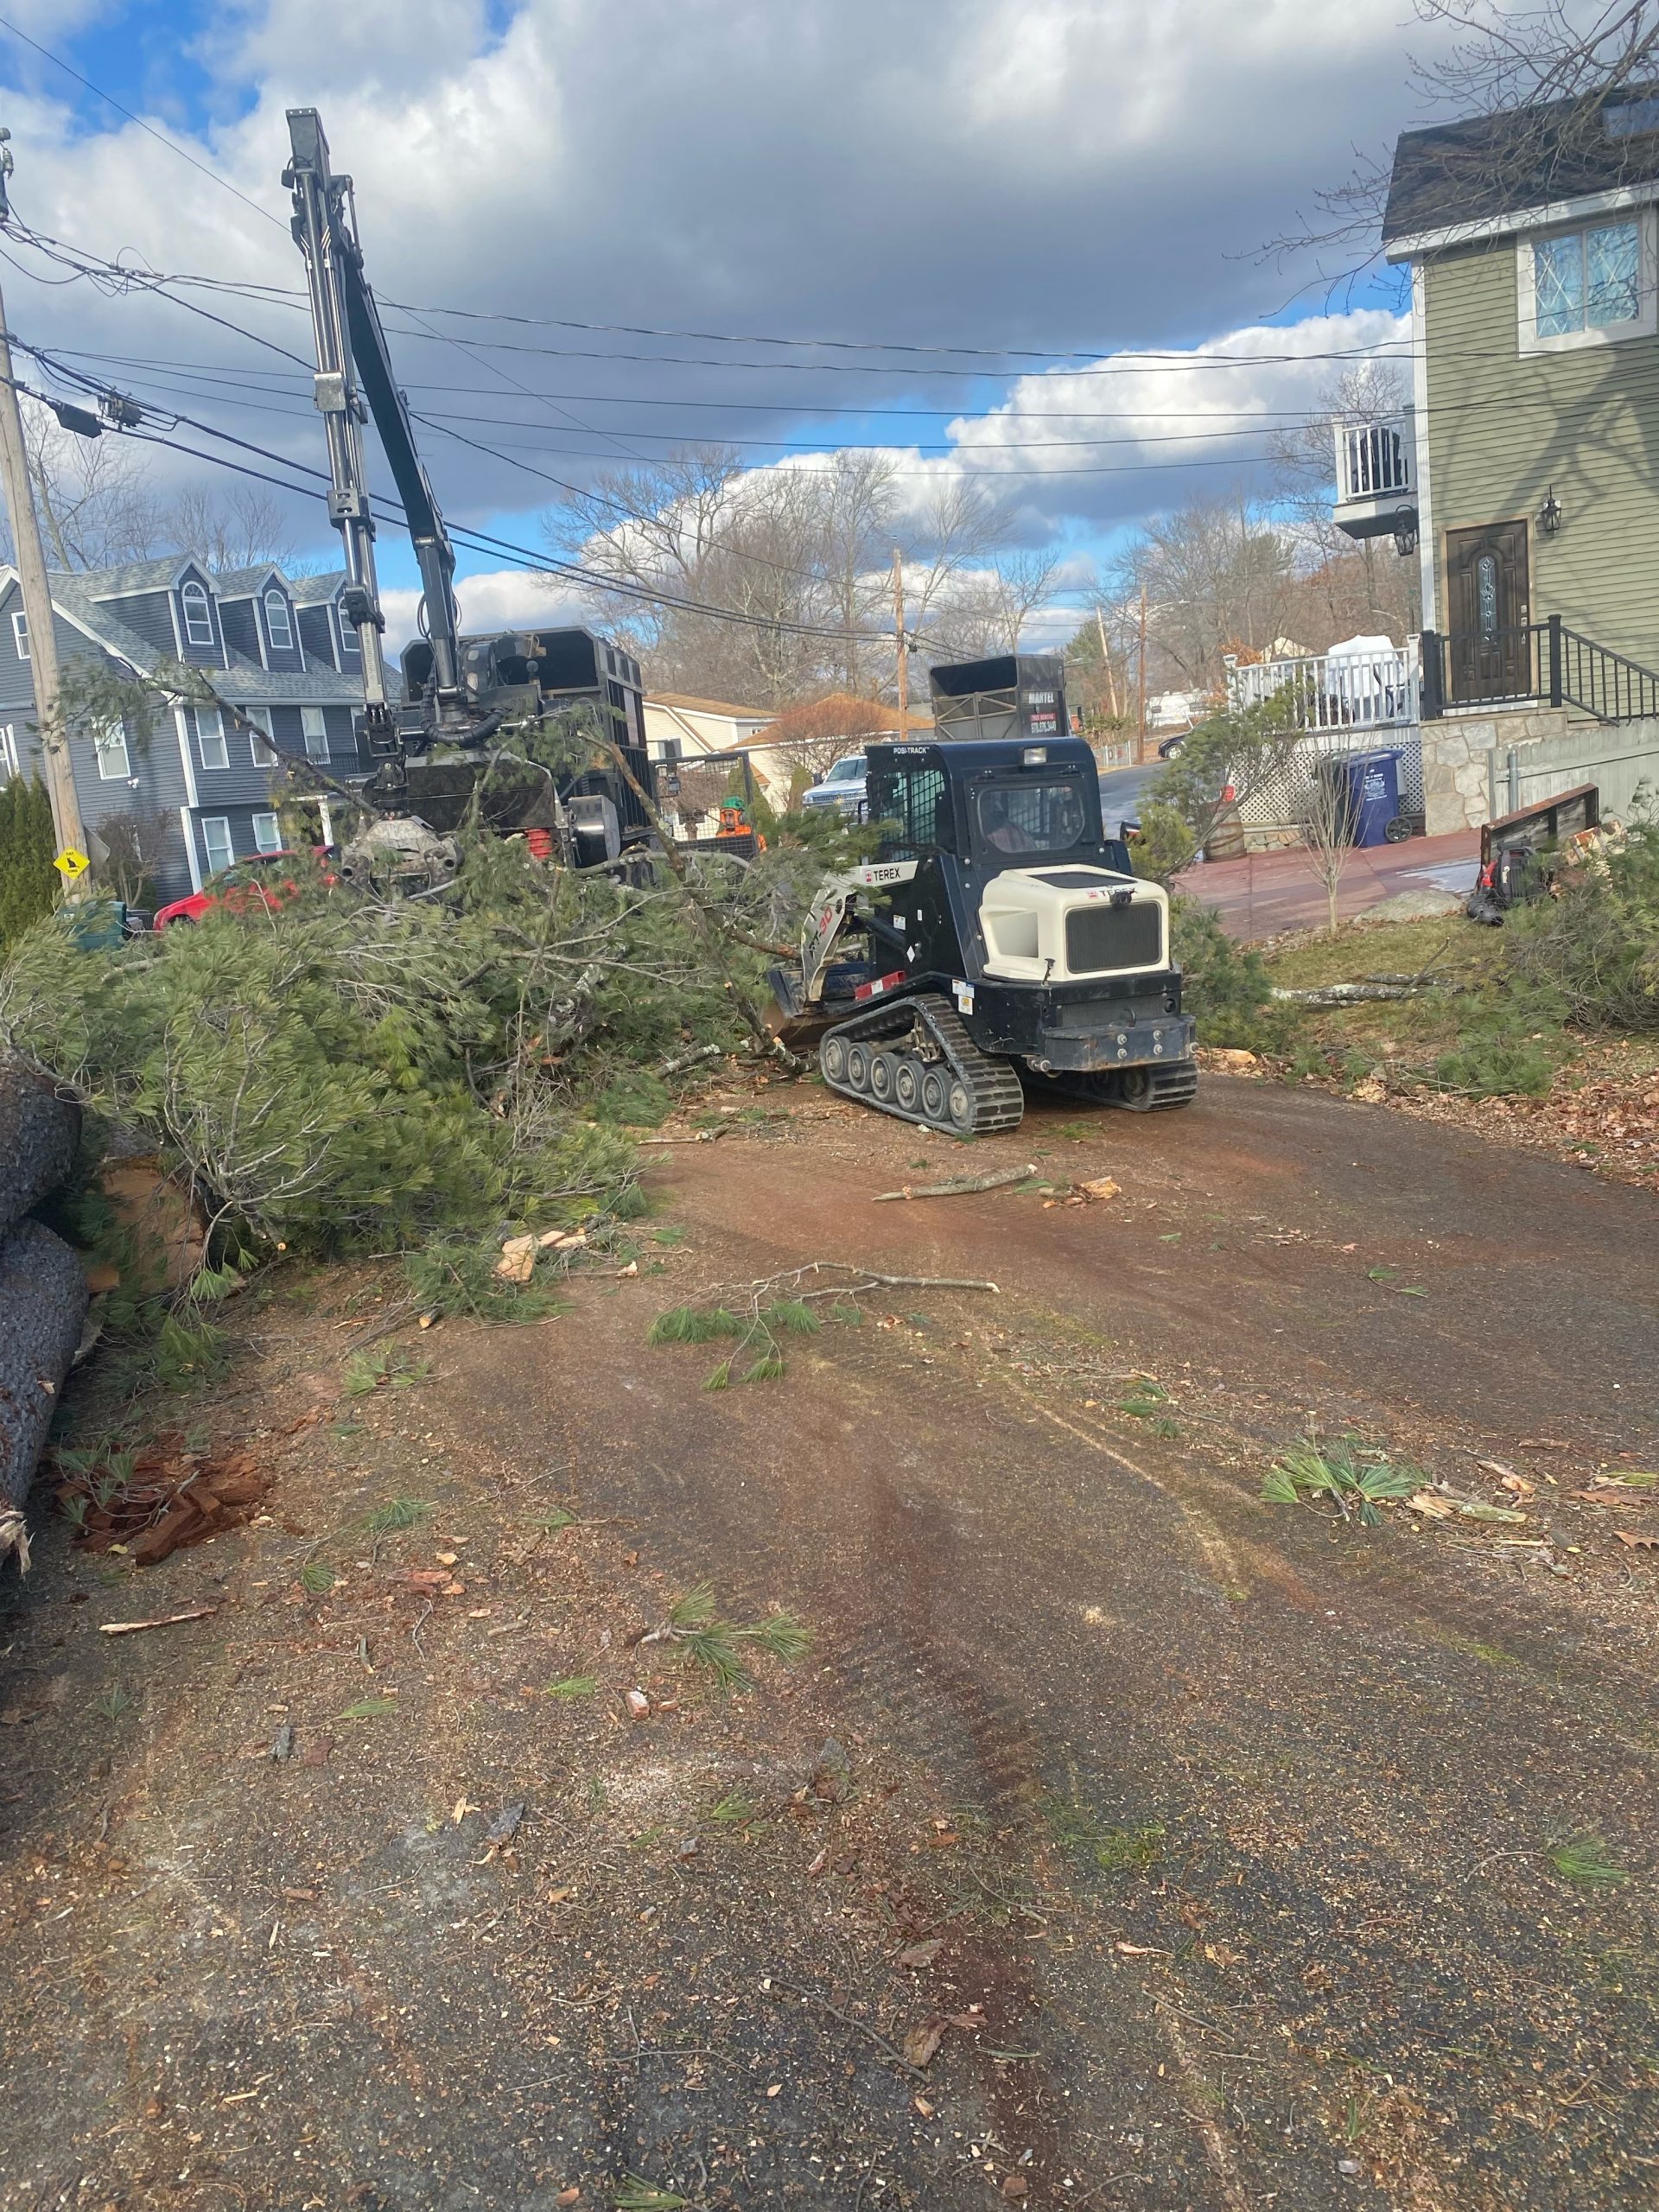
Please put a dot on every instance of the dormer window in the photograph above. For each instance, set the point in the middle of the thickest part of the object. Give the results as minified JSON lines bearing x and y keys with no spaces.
{"x":198,"y":615}
{"x":348,"y":640}
{"x":278,"y":628}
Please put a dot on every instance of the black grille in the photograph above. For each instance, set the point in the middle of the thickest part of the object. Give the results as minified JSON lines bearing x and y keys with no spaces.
{"x":1101,"y":937}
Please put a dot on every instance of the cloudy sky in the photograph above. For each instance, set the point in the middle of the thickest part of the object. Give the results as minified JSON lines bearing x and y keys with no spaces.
{"x":1059,"y":204}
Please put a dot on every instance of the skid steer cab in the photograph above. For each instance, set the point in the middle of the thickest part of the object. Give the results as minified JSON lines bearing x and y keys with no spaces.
{"x":999,"y":943}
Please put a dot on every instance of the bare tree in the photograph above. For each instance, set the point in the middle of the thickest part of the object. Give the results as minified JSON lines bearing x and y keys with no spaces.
{"x":95,"y":504}
{"x":985,"y":611}
{"x":1530,"y":84}
{"x":242,"y":527}
{"x":788,"y":567}
{"x":135,"y":845}
{"x":1325,"y":820}
{"x":1218,"y":576}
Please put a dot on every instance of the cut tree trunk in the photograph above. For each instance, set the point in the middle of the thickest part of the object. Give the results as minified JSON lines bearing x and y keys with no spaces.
{"x":38,"y":1134}
{"x":42,"y":1307}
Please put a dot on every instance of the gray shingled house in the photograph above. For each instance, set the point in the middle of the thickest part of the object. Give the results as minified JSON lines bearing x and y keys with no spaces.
{"x":275,"y":650}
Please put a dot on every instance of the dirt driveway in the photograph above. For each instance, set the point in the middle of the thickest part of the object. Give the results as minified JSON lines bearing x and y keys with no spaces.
{"x":1122,"y":1839}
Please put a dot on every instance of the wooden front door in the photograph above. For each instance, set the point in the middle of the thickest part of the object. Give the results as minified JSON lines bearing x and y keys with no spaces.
{"x":1489,"y":606}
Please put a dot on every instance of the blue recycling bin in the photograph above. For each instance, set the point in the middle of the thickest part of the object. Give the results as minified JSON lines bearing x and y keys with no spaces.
{"x":1373,"y":795}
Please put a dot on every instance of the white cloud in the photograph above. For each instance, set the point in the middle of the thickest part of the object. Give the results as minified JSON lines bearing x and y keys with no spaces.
{"x":996,"y":173}
{"x":500,"y":599}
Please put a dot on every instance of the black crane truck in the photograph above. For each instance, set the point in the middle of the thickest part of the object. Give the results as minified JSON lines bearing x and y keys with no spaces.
{"x":999,"y":942}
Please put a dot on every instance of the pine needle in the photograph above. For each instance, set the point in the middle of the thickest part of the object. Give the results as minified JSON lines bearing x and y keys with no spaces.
{"x":694,"y":1608}
{"x":792,"y":1316}
{"x":715,"y":1648}
{"x":397,"y":1515}
{"x":1584,"y":1859}
{"x":780,"y":1633}
{"x":768,"y":1369}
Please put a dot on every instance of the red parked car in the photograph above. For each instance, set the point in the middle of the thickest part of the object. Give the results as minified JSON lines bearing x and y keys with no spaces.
{"x":263,"y":877}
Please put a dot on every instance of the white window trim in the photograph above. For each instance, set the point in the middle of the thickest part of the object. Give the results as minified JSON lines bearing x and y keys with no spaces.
{"x":20,"y":634}
{"x":277,"y":645}
{"x":263,"y":751}
{"x":270,"y":816}
{"x":185,"y":605}
{"x":218,"y":822}
{"x":9,"y":750}
{"x":217,"y":736}
{"x":351,"y":645}
{"x":1646,"y":323}
{"x":320,"y":732}
{"x":105,"y":752}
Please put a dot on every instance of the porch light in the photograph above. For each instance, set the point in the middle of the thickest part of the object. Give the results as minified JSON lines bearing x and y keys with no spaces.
{"x":1549,"y":515}
{"x":1405,"y":530}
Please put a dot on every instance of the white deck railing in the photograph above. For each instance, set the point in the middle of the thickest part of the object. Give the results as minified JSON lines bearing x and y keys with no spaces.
{"x":1376,"y":460}
{"x":1346,"y":690}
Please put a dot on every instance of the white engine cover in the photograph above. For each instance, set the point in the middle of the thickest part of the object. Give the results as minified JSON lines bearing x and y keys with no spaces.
{"x":1023,"y":916}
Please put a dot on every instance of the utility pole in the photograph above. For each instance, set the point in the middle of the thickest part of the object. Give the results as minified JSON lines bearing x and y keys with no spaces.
{"x":1141,"y":670}
{"x":901,"y":642}
{"x":31,"y":571}
{"x":1106,"y":662}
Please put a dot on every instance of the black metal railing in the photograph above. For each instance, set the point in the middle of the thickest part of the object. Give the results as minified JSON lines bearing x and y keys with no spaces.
{"x":1544,"y":661}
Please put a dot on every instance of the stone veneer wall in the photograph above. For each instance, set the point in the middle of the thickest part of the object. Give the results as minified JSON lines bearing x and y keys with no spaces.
{"x":1458,"y":761}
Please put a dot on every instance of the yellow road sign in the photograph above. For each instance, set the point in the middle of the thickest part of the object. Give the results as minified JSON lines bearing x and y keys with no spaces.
{"x":71,"y":864}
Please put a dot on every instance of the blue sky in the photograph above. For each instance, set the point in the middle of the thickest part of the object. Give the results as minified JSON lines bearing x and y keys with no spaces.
{"x":1023,"y":175}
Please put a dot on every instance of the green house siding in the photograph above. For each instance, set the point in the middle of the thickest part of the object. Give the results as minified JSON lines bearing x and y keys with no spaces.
{"x":1505,"y":428}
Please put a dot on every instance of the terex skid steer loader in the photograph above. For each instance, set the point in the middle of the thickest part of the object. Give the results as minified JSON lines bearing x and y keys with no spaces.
{"x":999,"y":941}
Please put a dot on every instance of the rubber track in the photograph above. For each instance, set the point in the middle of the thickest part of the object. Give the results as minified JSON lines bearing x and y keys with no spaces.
{"x":1174,"y":1084}
{"x":999,"y":1098}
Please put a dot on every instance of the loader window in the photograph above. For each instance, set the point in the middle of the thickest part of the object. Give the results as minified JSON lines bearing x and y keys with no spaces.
{"x":914,"y":799}
{"x":1033,"y":821}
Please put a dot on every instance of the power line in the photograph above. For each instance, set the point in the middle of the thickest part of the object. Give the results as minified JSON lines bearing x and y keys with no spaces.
{"x":161,"y":139}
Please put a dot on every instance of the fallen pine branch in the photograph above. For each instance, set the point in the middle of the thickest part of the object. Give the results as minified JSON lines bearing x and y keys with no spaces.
{"x":164,"y":1620}
{"x":957,"y":1186}
{"x":678,"y":1065}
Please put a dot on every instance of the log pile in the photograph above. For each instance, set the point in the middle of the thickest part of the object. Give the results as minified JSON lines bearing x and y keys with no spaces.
{"x":42,"y":1284}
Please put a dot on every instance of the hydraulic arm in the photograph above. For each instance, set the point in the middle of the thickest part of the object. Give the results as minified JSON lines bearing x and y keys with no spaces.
{"x":355,"y":384}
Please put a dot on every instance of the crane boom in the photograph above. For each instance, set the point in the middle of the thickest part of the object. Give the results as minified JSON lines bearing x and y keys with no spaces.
{"x":355,"y":384}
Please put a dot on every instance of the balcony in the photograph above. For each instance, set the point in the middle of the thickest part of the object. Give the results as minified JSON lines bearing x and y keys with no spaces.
{"x":1376,"y":479}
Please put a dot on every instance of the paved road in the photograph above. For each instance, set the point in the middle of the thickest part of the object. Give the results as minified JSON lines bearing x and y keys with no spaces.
{"x":1121,"y":792}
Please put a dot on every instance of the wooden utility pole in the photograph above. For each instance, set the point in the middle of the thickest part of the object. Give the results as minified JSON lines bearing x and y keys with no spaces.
{"x":1106,"y":662}
{"x":37,"y":593}
{"x":901,"y":642}
{"x":1141,"y":672}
